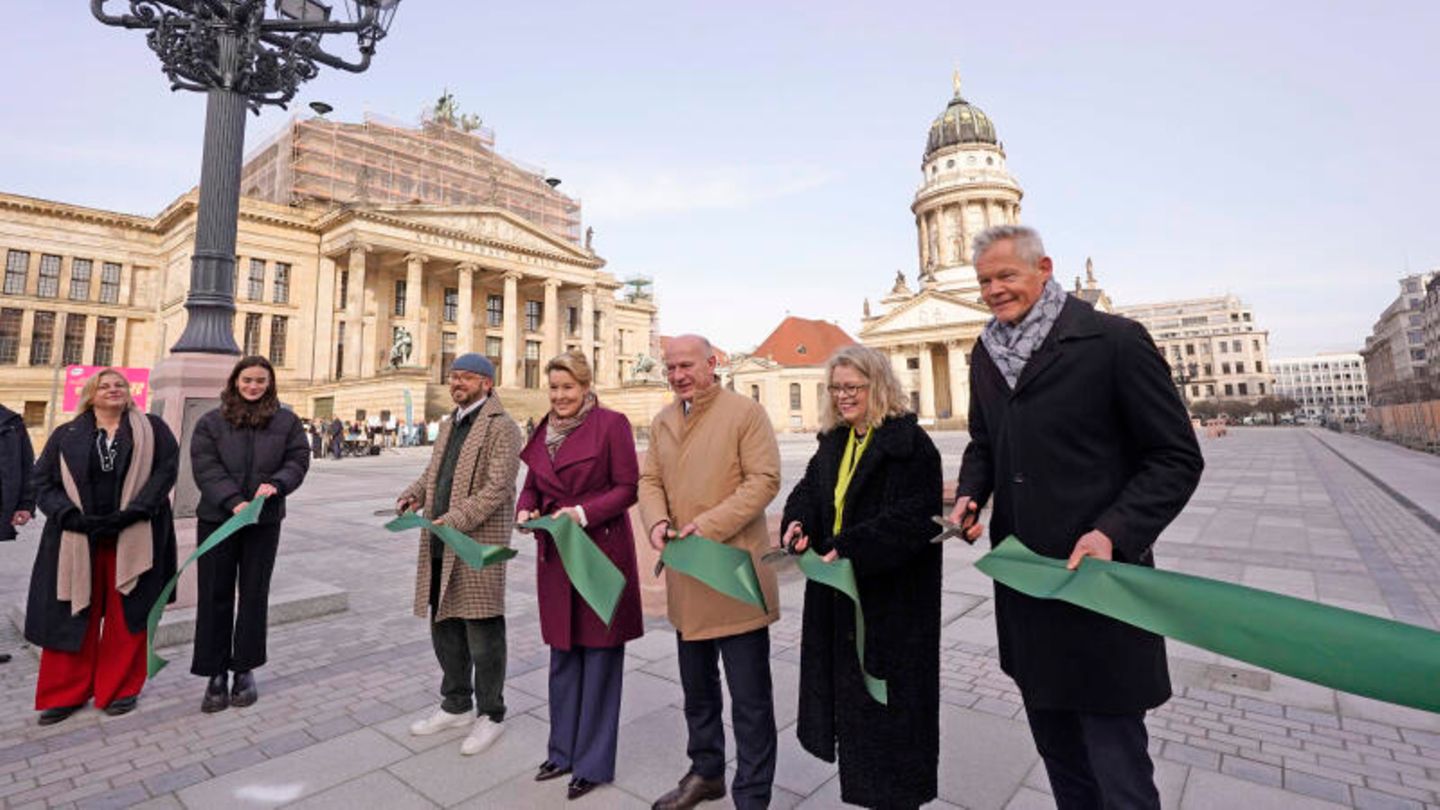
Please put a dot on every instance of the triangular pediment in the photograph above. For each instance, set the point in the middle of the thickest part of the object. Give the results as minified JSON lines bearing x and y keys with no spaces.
{"x":928,"y":310}
{"x":491,"y":224}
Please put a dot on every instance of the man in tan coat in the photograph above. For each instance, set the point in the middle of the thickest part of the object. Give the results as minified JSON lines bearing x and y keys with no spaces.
{"x":469,"y":485}
{"x":712,"y":468}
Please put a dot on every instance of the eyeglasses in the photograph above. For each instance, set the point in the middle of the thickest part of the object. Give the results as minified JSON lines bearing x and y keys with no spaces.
{"x":846,"y":391}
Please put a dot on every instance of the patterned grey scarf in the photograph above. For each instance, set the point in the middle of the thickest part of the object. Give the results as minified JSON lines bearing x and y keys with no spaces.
{"x":1011,"y":346}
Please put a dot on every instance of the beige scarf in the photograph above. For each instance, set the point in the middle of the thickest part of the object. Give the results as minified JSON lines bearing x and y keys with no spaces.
{"x":134,"y":552}
{"x":558,"y":427}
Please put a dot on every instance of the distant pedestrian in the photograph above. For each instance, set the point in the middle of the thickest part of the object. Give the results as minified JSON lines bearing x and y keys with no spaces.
{"x":246,"y":448}
{"x":337,"y":437}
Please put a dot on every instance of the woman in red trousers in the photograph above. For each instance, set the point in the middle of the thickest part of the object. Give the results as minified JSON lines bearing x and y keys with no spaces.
{"x":581,"y":461}
{"x":107,"y":551}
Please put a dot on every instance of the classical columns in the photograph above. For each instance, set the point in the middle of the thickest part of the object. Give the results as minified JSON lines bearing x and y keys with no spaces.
{"x":414,"y":300}
{"x":922,"y":225}
{"x":959,"y":378}
{"x":322,"y":349}
{"x":552,"y":319}
{"x":927,"y":382}
{"x":509,"y":350}
{"x":587,"y":323}
{"x":465,"y":310}
{"x":355,"y":312}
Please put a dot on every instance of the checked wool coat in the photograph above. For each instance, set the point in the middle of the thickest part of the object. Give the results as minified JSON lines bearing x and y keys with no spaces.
{"x":482,"y":505}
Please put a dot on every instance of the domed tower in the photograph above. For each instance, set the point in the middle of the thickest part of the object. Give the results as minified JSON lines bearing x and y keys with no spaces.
{"x":965,"y":189}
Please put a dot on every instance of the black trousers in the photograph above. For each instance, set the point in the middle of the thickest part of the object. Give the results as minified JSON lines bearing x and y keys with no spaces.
{"x":471,"y":653}
{"x":1096,"y":761}
{"x":747,"y":672}
{"x":227,"y":639}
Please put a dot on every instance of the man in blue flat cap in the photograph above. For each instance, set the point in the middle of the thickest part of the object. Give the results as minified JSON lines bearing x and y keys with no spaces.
{"x":469,"y":485}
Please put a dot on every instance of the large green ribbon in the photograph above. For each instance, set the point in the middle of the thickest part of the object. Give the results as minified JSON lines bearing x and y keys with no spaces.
{"x":476,"y":555}
{"x":727,"y":569}
{"x":840,"y":575}
{"x":594,"y":576}
{"x":1330,"y":646}
{"x":245,"y":517}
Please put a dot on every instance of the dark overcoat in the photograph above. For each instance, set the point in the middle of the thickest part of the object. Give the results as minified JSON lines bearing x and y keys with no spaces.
{"x":48,"y":622}
{"x":230,"y":463}
{"x":1093,"y":436}
{"x":888,"y":754}
{"x":595,"y":468}
{"x":17,"y":485}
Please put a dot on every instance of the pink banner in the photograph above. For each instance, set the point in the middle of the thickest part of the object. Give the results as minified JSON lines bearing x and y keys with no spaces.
{"x":76,"y":376}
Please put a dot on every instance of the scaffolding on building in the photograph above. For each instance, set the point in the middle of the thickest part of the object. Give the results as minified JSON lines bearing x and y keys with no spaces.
{"x":384,"y":162}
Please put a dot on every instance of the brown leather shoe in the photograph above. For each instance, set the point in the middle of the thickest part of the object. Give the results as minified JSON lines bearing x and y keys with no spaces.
{"x":693,"y":790}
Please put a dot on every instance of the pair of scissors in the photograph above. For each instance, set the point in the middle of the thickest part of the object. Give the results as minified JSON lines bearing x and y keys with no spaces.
{"x":960,"y":530}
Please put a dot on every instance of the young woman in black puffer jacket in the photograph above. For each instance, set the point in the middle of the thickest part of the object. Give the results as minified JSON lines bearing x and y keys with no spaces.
{"x":247,"y":447}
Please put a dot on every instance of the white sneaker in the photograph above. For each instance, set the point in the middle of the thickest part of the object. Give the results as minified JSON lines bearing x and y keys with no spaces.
{"x":439,"y":721}
{"x":484,"y":734}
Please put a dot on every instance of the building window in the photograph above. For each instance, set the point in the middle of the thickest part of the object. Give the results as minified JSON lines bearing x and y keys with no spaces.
{"x":1210,"y":390}
{"x":1240,"y":367}
{"x":452,"y":304}
{"x":49,"y":276}
{"x":252,"y":333}
{"x":73,"y":351}
{"x":35,"y":413}
{"x":282,"y":283}
{"x":279,"y":328}
{"x":10,"y":336}
{"x":1255,"y":344}
{"x":17,"y":267}
{"x":494,"y":347}
{"x":755,"y":392}
{"x":400,"y":291}
{"x":599,"y":325}
{"x":1262,"y":388}
{"x":533,"y":310}
{"x":344,"y":289}
{"x":494,"y":310}
{"x":1235,"y":346}
{"x":109,"y":283}
{"x":1189,"y":349}
{"x":1258,"y":367}
{"x":1209,"y":370}
{"x":80,"y":270}
{"x":1229,"y":390}
{"x":1224,"y":368}
{"x":1244,"y":389}
{"x":532,"y":362}
{"x":795,"y":396}
{"x":339,"y":350}
{"x":104,"y":353}
{"x":447,"y":354}
{"x":912,"y":363}
{"x":572,"y":321}
{"x":256,"y":290}
{"x":42,"y":338}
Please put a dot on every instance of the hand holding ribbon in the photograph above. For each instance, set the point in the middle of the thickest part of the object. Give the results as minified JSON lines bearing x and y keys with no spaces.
{"x":726,"y":569}
{"x":476,"y":555}
{"x":598,"y":581}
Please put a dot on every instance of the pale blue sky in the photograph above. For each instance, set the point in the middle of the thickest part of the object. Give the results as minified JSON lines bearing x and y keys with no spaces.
{"x":759,"y":158}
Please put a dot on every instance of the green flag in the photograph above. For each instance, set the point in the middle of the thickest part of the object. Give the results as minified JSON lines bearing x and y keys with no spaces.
{"x":476,"y":555}
{"x":1353,"y":652}
{"x":594,"y":576}
{"x":245,"y":517}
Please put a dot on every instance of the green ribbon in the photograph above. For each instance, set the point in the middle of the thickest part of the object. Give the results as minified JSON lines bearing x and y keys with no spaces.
{"x":727,"y":569}
{"x":594,"y":576}
{"x":476,"y":555}
{"x":840,"y":575}
{"x":1353,"y":652}
{"x":245,"y":517}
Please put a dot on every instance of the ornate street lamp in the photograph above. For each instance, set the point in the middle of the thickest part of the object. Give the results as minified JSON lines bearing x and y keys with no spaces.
{"x":242,"y":56}
{"x":1184,"y":373}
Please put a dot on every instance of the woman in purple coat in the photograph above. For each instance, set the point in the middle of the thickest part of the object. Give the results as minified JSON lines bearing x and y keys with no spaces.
{"x":581,"y":461}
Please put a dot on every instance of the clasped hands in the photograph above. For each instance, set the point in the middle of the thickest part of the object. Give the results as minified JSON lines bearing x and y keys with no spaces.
{"x":1093,"y":543}
{"x":264,"y":489}
{"x":797,"y":541}
{"x":565,"y":511}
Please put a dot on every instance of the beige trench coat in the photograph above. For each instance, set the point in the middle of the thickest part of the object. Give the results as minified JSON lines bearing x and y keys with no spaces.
{"x":718,"y":467}
{"x":482,"y":505}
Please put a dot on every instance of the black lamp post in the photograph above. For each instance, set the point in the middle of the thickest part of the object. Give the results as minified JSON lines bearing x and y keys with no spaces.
{"x":242,"y":56}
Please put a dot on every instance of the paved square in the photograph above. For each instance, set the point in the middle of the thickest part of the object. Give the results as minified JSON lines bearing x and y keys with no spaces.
{"x":1340,"y":519}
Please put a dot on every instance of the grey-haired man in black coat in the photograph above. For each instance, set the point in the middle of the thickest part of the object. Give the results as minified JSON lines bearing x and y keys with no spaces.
{"x":17,"y":487}
{"x":1078,"y":433}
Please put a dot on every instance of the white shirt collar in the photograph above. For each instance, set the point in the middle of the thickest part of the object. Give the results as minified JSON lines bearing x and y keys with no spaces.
{"x":461,"y":413}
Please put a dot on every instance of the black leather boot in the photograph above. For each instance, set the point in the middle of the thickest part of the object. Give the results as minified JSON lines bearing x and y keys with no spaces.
{"x":244,"y":693}
{"x":217,"y":694}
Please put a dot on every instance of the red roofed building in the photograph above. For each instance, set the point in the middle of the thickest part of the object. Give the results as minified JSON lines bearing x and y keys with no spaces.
{"x":786,"y":372}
